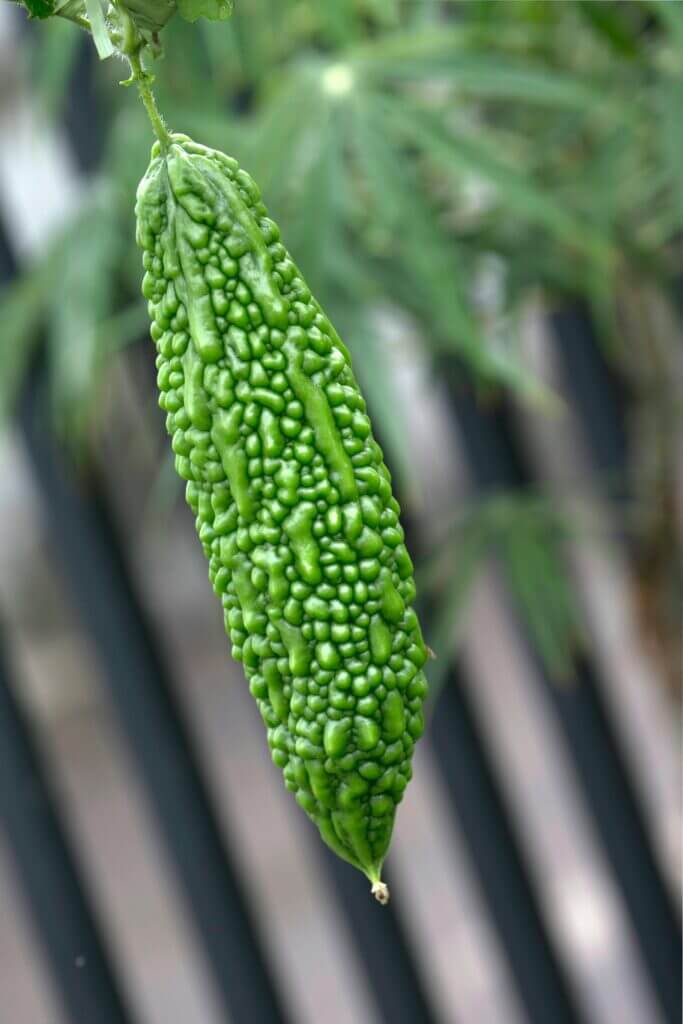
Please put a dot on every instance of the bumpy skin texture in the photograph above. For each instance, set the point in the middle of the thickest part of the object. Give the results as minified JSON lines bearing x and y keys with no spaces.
{"x":292,"y":499}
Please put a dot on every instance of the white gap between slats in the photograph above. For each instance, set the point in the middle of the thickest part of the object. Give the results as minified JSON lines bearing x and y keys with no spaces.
{"x":27,"y":991}
{"x":439,"y":900}
{"x":31,"y":210}
{"x":295,"y":909}
{"x":583,"y":910}
{"x":440,"y":897}
{"x":647,"y":730}
{"x":444,"y":923}
{"x":39,"y":189}
{"x":451,"y":923}
{"x":124,"y":868}
{"x":263,"y":824}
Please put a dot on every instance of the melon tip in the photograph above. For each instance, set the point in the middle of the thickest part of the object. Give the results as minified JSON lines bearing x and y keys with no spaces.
{"x":380,"y":890}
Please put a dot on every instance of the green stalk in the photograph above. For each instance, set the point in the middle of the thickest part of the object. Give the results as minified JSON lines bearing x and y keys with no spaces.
{"x":132,"y":45}
{"x":142,"y":80}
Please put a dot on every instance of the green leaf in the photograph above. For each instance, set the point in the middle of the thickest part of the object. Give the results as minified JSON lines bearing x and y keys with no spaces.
{"x":607,"y":22}
{"x":164,"y":491}
{"x":279,"y":142}
{"x":441,"y":57}
{"x":39,"y":8}
{"x":339,"y":22}
{"x":671,"y":15}
{"x":52,"y":62}
{"x":462,"y":561}
{"x":150,"y":15}
{"x":214,"y":10}
{"x":223,"y":58}
{"x":455,"y":152}
{"x":527,"y":531}
{"x":22,"y":307}
{"x":386,"y":12}
{"x":70,"y":8}
{"x":669,"y":108}
{"x":426,"y":273}
{"x":488,"y":77}
{"x":81,"y":299}
{"x":406,"y":226}
{"x":435,"y":43}
{"x":122,"y":329}
{"x":98,"y":27}
{"x":315,"y":191}
{"x":369,"y":363}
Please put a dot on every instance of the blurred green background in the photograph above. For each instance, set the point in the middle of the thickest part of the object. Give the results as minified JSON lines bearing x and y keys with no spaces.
{"x":459,"y":183}
{"x":437,"y":162}
{"x":444,"y":162}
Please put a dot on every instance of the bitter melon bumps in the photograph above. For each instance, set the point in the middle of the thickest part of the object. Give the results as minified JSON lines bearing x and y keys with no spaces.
{"x":292,"y":499}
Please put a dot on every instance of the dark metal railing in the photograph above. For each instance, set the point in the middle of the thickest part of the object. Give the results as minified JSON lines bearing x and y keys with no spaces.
{"x":93,"y":562}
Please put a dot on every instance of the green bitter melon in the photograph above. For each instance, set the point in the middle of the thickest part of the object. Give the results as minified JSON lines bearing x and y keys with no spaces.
{"x":292,"y":499}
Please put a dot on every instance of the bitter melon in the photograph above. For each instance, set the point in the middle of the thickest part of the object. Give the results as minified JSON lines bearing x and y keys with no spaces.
{"x":292,"y":499}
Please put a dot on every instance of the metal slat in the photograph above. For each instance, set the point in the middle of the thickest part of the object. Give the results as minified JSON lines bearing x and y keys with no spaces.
{"x":495,"y":854}
{"x":238,"y":750}
{"x":403,"y":995}
{"x":440,"y":901}
{"x":496,"y":461}
{"x":108,"y":609}
{"x":640,"y":715}
{"x":94,"y":569}
{"x":28,"y":990}
{"x":625,"y":674}
{"x":596,"y":398}
{"x":580,"y":901}
{"x":444,"y":870}
{"x":502,"y":881}
{"x":52,"y":885}
{"x":614,"y":718}
{"x":591,"y":718}
{"x":375,"y":934}
{"x":379,"y":939}
{"x":597,"y":760}
{"x":151,"y":940}
{"x":162,"y":599}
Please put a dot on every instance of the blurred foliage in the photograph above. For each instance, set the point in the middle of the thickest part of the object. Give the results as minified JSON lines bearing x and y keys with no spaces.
{"x":526,"y":532}
{"x":405,"y":147}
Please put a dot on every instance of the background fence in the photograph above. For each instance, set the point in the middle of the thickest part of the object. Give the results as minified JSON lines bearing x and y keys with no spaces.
{"x":152,"y":867}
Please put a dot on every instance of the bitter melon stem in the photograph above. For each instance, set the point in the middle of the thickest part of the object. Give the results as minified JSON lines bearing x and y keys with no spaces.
{"x":141,"y":79}
{"x":131,"y":47}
